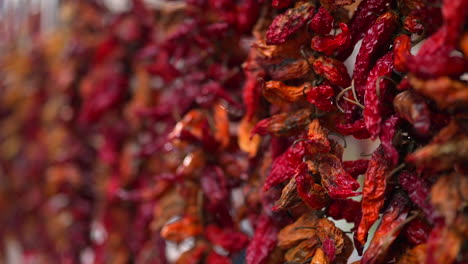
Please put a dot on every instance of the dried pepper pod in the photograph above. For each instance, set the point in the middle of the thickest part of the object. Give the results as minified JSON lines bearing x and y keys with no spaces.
{"x":263,"y":241}
{"x":376,"y":89}
{"x":332,"y":70}
{"x":322,"y":22}
{"x":322,"y":97}
{"x":329,"y":44}
{"x":277,"y":92}
{"x":356,"y":167}
{"x":386,"y":138}
{"x":393,"y":219}
{"x":284,"y":123}
{"x":373,"y":192}
{"x":376,"y":37}
{"x":286,"y":24}
{"x":401,"y":50}
{"x":311,"y":193}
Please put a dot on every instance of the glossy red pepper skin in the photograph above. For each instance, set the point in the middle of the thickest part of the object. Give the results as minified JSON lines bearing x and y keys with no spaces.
{"x":373,"y":98}
{"x":376,"y":37}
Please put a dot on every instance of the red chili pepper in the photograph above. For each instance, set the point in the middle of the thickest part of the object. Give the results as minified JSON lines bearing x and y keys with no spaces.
{"x":311,"y":193}
{"x":322,"y":97}
{"x":364,"y":17}
{"x":214,"y":185}
{"x":338,"y":183}
{"x":413,"y":108}
{"x":392,"y":221}
{"x":386,"y":138}
{"x":286,"y":24}
{"x":263,"y":241}
{"x":376,"y":88}
{"x":373,"y":192}
{"x":215,"y":258}
{"x":332,"y":70}
{"x":322,"y":22}
{"x":417,"y":231}
{"x":229,"y":239}
{"x":401,"y":50}
{"x":357,"y":129}
{"x":376,"y":37}
{"x":329,"y":44}
{"x":348,"y":209}
{"x":356,"y":167}
{"x":418,"y":191}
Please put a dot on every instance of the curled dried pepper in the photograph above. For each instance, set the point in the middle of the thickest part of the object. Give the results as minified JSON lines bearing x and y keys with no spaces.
{"x":338,"y":183}
{"x":412,"y":107}
{"x":373,"y":192}
{"x":329,"y":44}
{"x":376,"y":88}
{"x":376,"y":37}
{"x":286,"y":24}
{"x":322,"y":22}
{"x":289,"y":69}
{"x":332,"y":70}
{"x":356,"y":167}
{"x":321,"y":96}
{"x":311,"y":193}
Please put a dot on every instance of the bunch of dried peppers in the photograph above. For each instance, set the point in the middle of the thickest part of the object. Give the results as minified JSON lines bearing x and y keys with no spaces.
{"x":124,"y":134}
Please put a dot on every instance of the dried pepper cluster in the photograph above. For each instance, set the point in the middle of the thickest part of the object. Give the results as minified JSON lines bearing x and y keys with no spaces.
{"x":126,"y":134}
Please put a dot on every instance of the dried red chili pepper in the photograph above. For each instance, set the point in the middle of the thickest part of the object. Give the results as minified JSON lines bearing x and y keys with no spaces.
{"x":386,"y":138}
{"x":364,"y":16}
{"x":332,"y":70}
{"x":348,"y":209}
{"x":263,"y":241}
{"x":412,"y":107}
{"x":393,"y":220}
{"x":286,"y":24}
{"x":417,"y":231}
{"x":311,"y":193}
{"x":338,"y":183}
{"x":215,"y":258}
{"x":373,"y":192}
{"x":329,"y":44}
{"x":284,"y":123}
{"x":281,"y":3}
{"x":230,"y":240}
{"x":322,"y":22}
{"x":356,"y":167}
{"x":357,"y":129}
{"x":278,"y":93}
{"x":376,"y":37}
{"x":322,"y":97}
{"x":376,"y":88}
{"x":401,"y":50}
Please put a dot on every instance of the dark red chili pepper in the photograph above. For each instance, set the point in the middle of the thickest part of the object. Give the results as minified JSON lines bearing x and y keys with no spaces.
{"x":329,"y":44}
{"x":386,"y":138}
{"x":230,"y":240}
{"x":322,"y":97}
{"x":357,"y":129}
{"x":263,"y":241}
{"x":376,"y":37}
{"x":376,"y":88}
{"x":215,"y":258}
{"x":281,"y":3}
{"x":417,"y":231}
{"x":418,"y":190}
{"x":356,"y":167}
{"x":364,"y":17}
{"x":348,"y":209}
{"x":286,"y":24}
{"x":322,"y":22}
